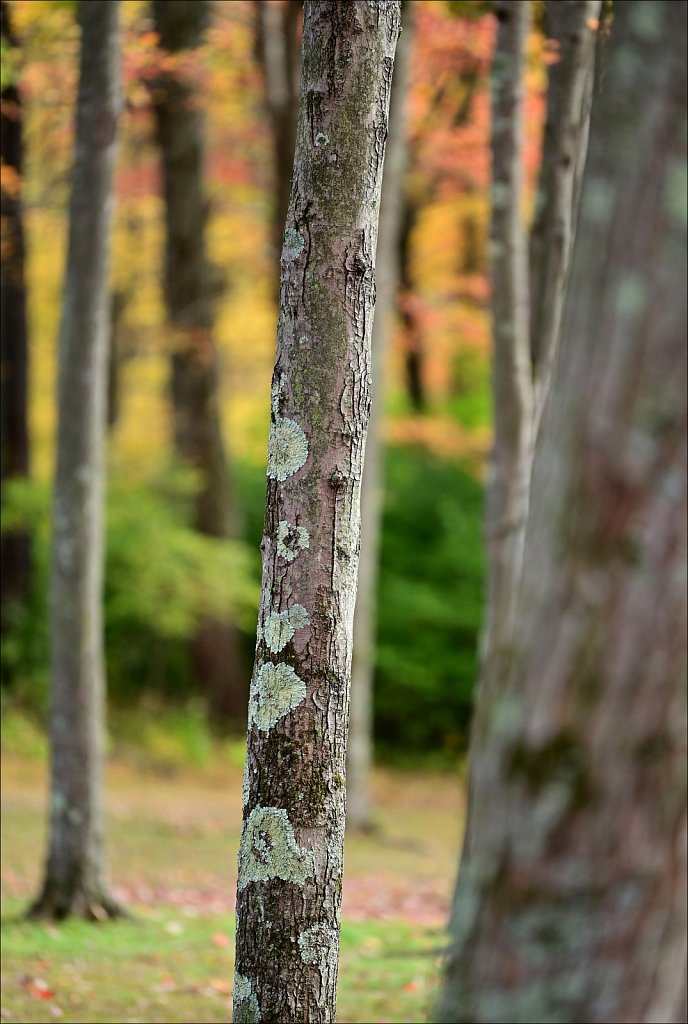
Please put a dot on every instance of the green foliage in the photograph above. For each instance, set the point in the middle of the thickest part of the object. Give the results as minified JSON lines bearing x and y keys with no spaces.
{"x":161,"y":578}
{"x":430,"y":602}
{"x":471,"y":401}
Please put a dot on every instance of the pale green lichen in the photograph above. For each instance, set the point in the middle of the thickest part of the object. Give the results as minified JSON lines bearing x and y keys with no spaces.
{"x":287,"y":449}
{"x":321,"y":139}
{"x":246,"y":1007}
{"x":293,"y":244}
{"x":291,"y":540}
{"x":318,"y":946}
{"x":275,"y":691}
{"x":280,"y":627}
{"x":269,"y":849}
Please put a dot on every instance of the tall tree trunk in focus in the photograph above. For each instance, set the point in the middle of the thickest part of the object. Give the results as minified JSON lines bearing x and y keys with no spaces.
{"x":216,"y":648}
{"x":15,"y":547}
{"x":278,"y":50}
{"x":572,"y":905}
{"x":359,"y":810}
{"x":74,"y":881}
{"x":290,"y":858}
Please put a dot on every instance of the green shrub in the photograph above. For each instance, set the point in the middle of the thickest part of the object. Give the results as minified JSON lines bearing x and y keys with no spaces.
{"x":430,"y":599}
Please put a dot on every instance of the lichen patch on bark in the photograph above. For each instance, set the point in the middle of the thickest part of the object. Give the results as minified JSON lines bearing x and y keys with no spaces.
{"x":280,"y":627}
{"x":291,"y":540}
{"x":275,"y":691}
{"x":269,"y":849}
{"x":246,"y":1007}
{"x":287,"y":449}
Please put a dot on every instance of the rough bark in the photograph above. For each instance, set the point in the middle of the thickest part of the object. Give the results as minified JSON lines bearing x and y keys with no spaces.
{"x":15,"y":546}
{"x":75,"y":874}
{"x":278,"y":50}
{"x":359,"y":808}
{"x":195,"y":386}
{"x":509,"y":478}
{"x":572,"y":906}
{"x":290,"y":859}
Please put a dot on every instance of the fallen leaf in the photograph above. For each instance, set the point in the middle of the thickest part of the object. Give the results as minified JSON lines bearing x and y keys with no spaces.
{"x":220,"y":985}
{"x":36,"y":987}
{"x":174,"y":928}
{"x":221,"y":940}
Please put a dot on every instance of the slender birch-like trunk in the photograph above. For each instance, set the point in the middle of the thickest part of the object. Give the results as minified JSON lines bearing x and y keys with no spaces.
{"x":359,"y":809}
{"x":290,"y":859}
{"x":74,"y":880}
{"x":195,"y":385}
{"x":15,"y":545}
{"x":509,"y":478}
{"x":572,"y":906}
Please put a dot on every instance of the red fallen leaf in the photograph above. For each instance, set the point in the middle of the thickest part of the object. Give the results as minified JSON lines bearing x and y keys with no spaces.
{"x":37,"y":987}
{"x":220,"y":940}
{"x":410,"y":986}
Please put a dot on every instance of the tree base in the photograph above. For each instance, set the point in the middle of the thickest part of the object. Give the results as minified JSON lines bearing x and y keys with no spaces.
{"x":53,"y":905}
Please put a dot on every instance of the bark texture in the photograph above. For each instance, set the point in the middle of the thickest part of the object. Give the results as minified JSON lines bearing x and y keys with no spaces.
{"x":195,"y":386}
{"x":290,"y":859}
{"x":75,"y":875}
{"x":359,"y":808}
{"x":278,"y":26}
{"x":15,"y":548}
{"x":572,"y":906}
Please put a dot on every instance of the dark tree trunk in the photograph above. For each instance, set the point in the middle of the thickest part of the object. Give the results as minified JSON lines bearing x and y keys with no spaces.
{"x":278,"y":49}
{"x":572,"y":904}
{"x":74,"y":880}
{"x":195,"y":384}
{"x":290,"y":858}
{"x":15,"y":546}
{"x":412,"y":330}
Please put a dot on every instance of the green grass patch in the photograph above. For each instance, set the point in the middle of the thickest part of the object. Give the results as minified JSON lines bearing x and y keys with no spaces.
{"x":176,"y":966}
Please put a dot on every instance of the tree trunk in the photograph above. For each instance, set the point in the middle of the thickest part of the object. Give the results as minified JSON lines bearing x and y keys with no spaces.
{"x":572,"y":906}
{"x":14,"y":355}
{"x":413,"y":338}
{"x":359,"y":811}
{"x":565,"y":146}
{"x":509,"y":479}
{"x":216,"y":649}
{"x":290,"y":859}
{"x":278,"y":50}
{"x":75,"y":875}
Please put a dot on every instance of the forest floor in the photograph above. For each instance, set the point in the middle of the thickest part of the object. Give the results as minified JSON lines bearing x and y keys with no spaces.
{"x":173,"y":834}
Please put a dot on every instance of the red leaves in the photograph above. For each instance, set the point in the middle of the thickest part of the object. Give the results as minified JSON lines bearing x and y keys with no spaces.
{"x":36,"y":987}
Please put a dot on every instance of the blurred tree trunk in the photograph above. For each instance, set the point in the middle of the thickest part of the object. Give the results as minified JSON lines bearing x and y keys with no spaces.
{"x":14,"y":355}
{"x":527,"y":301}
{"x":216,"y":648}
{"x":290,"y":859}
{"x":360,"y":748}
{"x":279,"y":53}
{"x":413,"y":338}
{"x":572,"y":905}
{"x":75,"y":875}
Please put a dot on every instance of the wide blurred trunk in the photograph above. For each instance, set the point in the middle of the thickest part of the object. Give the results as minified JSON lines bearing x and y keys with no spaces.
{"x":15,"y":545}
{"x":74,"y":881}
{"x":572,"y":903}
{"x":291,"y":851}
{"x":359,"y":808}
{"x":195,"y":385}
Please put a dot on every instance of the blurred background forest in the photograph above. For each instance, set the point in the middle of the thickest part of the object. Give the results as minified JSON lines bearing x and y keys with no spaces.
{"x":162,"y":575}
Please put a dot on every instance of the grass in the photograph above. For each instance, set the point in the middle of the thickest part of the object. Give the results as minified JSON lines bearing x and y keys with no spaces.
{"x":173,"y":833}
